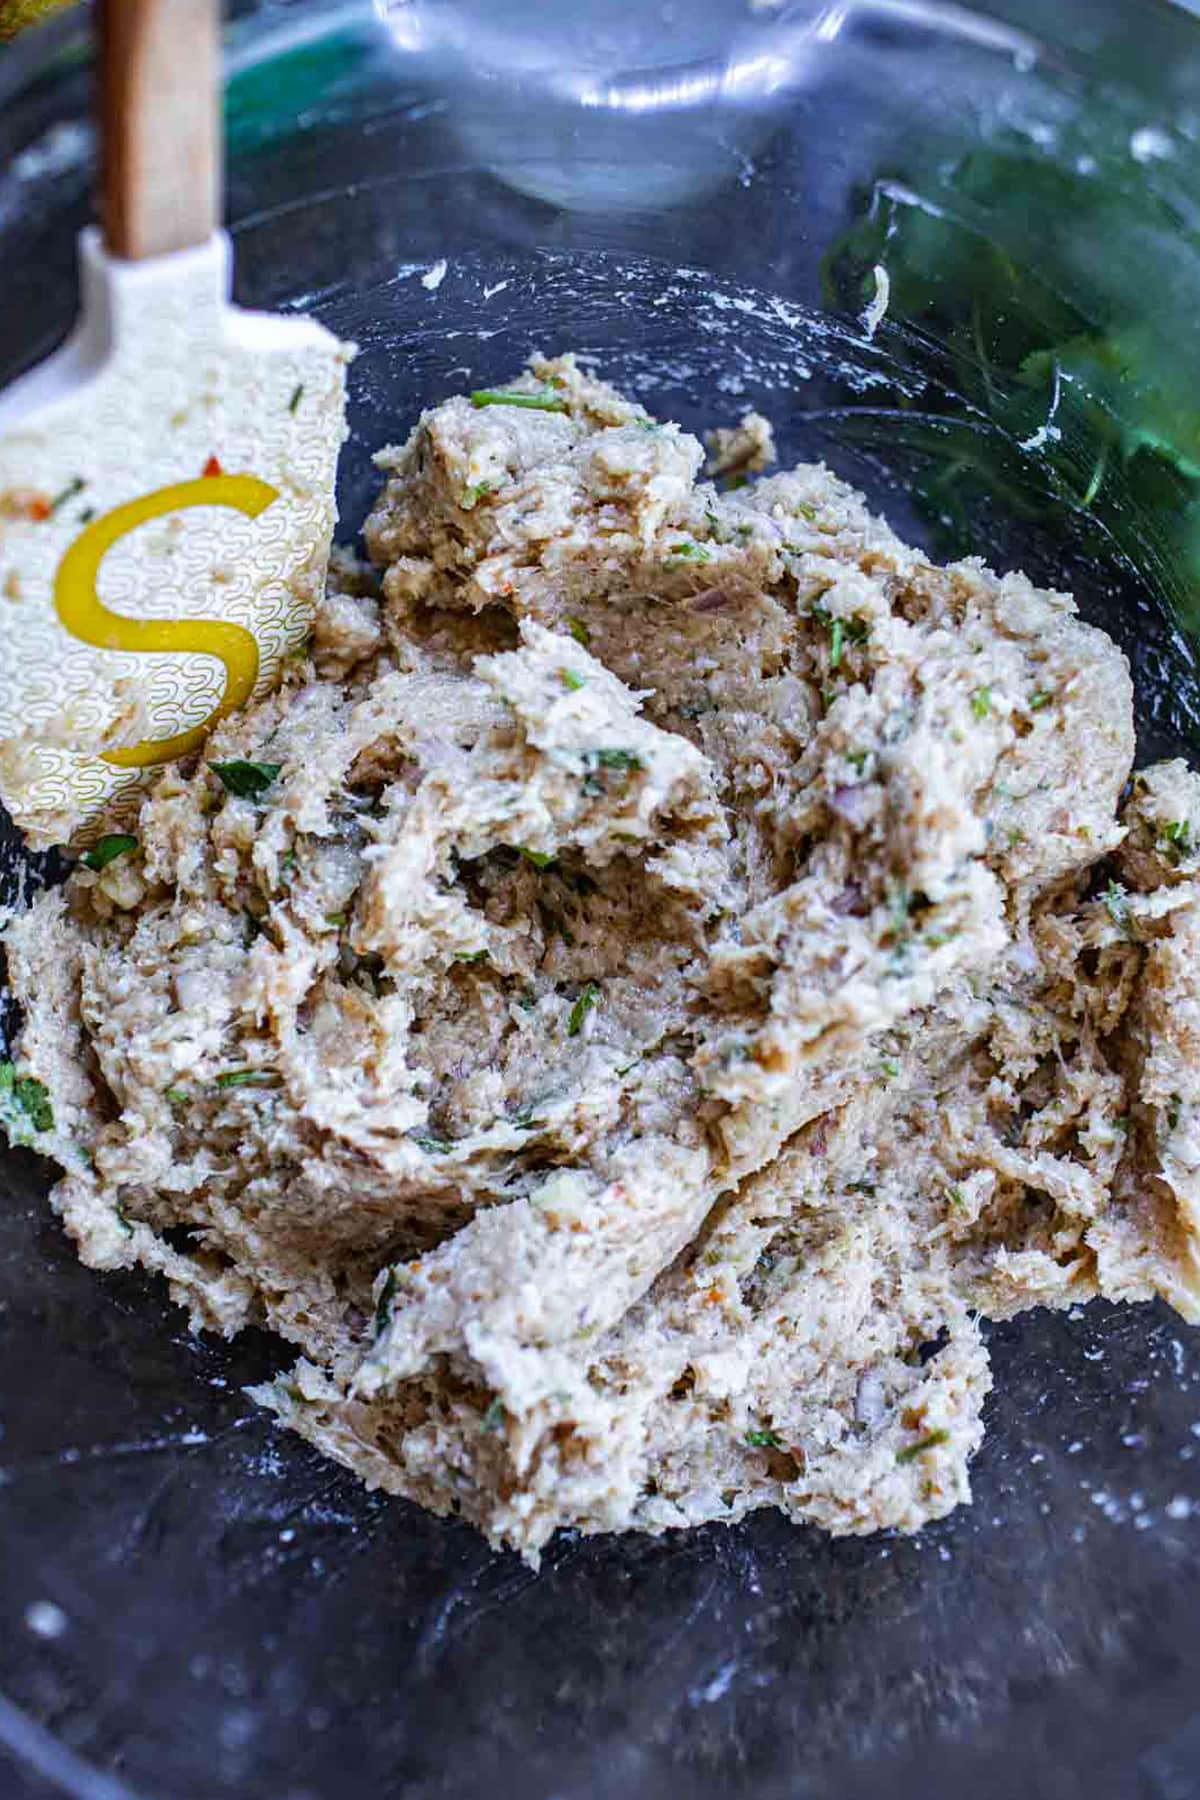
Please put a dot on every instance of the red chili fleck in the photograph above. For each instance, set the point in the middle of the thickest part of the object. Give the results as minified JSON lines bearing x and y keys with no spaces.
{"x":39,"y":507}
{"x":213,"y":466}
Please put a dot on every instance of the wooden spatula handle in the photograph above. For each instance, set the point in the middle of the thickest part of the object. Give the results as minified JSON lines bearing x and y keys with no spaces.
{"x":160,"y":124}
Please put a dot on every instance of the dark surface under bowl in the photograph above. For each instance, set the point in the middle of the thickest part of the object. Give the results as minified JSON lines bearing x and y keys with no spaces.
{"x":238,"y":1619}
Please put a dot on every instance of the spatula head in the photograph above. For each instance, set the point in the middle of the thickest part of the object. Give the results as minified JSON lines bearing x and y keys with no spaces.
{"x":166,"y":511}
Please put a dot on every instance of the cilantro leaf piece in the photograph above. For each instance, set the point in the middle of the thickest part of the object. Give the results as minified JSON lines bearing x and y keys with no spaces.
{"x":589,"y":997}
{"x":431,"y":1143}
{"x":599,"y":763}
{"x":107,"y":849}
{"x":383,"y":1307}
{"x":246,"y":780}
{"x":687,"y":552}
{"x":1174,"y":841}
{"x":764,"y":1440}
{"x":25,"y":1109}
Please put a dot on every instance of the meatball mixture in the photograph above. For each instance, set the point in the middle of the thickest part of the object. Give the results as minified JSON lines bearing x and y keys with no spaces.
{"x":670,"y":962}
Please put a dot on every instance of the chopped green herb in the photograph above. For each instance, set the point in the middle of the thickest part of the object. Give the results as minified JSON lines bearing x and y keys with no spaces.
{"x":1175,"y":841}
{"x":861,"y":1187}
{"x":546,"y":400}
{"x":858,"y":630}
{"x":297,"y":396}
{"x":383,"y":1308}
{"x":541,"y":859}
{"x":75,"y":486}
{"x":473,"y":495}
{"x":618,"y":759}
{"x":764,"y":1440}
{"x":571,"y":681}
{"x":25,"y":1107}
{"x":1122,"y":1122}
{"x":431,"y":1143}
{"x":1041,"y":698}
{"x":1116,"y":902}
{"x":837,"y":638}
{"x":1174,"y":1110}
{"x":621,"y":762}
{"x":806,"y":509}
{"x":588,"y":998}
{"x":175,"y":1096}
{"x":685,"y":551}
{"x":644,"y":422}
{"x":87,"y":515}
{"x":33,"y":1097}
{"x":929,"y":1442}
{"x":107,"y":849}
{"x":252,"y":1078}
{"x":526,"y":1117}
{"x":470,"y":956}
{"x":889,"y":1068}
{"x":981,"y":702}
{"x":336,"y":918}
{"x":956,"y":1196}
{"x":246,"y":780}
{"x":493,"y":1419}
{"x":935,"y":939}
{"x":578,"y":630}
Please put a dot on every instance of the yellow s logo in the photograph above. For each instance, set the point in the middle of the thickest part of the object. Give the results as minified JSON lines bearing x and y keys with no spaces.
{"x":85,"y":616}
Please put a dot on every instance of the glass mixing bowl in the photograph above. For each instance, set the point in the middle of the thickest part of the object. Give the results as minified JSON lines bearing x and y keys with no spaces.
{"x":951,"y":249}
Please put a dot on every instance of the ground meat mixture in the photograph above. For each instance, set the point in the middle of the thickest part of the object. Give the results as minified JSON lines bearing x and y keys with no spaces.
{"x":669,"y":964}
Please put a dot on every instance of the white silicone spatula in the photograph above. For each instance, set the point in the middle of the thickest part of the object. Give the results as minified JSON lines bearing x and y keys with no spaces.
{"x":167,"y":477}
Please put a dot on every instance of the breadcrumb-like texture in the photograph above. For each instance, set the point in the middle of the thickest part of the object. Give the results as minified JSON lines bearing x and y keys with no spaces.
{"x":669,"y":963}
